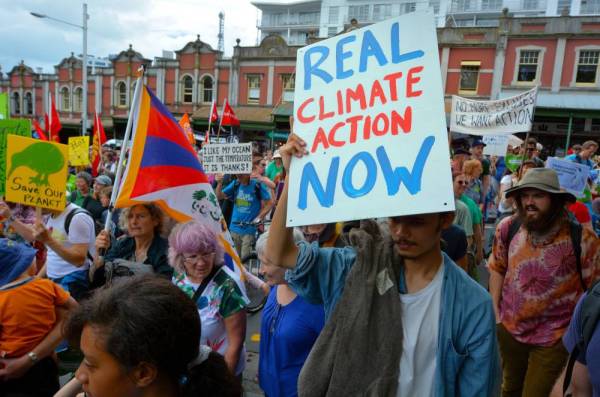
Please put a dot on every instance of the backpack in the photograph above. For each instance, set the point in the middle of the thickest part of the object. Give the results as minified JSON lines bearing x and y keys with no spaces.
{"x":69,"y":219}
{"x":590,"y":316}
{"x":575,"y":230}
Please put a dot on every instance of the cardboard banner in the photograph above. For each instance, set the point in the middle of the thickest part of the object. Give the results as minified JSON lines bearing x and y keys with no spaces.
{"x":370,"y":106}
{"x":37,"y":172}
{"x":228,"y":158}
{"x":572,"y":176}
{"x":21,"y":127}
{"x":505,"y":116}
{"x":79,"y":150}
{"x":496,"y":145}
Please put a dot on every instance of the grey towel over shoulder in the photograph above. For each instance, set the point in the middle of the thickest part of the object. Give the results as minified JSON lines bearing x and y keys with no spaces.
{"x":358,"y":352}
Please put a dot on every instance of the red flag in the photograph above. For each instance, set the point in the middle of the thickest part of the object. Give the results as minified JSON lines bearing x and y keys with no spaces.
{"x":184,"y":122}
{"x":214,"y":116}
{"x":39,"y":130}
{"x":97,"y":141}
{"x":228,"y":116}
{"x":55,"y":126}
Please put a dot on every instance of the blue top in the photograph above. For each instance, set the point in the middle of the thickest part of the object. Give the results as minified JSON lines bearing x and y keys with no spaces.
{"x":591,"y":357}
{"x":467,"y":354}
{"x":576,"y":159}
{"x":246,"y":204}
{"x":287,"y":333}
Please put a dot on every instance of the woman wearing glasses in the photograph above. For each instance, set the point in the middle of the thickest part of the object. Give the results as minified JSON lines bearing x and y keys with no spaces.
{"x":197,"y":258}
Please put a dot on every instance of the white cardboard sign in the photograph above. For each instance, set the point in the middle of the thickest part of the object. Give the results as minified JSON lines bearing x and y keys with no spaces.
{"x":505,"y":116}
{"x":495,"y":145}
{"x":227,"y":158}
{"x":370,"y":106}
{"x":572,"y":176}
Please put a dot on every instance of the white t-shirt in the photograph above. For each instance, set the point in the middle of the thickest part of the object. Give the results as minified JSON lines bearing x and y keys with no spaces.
{"x":420,"y":326}
{"x":506,"y":182}
{"x":81,"y":231}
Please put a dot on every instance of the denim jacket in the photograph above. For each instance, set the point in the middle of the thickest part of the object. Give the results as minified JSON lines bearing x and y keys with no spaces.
{"x":467,"y":354}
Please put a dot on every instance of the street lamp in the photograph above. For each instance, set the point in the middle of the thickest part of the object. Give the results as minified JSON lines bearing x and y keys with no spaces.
{"x":84,"y":28}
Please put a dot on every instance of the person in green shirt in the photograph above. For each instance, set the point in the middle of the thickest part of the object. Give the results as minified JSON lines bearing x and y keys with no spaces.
{"x":274,"y":167}
{"x":461,"y":181}
{"x":83,"y":184}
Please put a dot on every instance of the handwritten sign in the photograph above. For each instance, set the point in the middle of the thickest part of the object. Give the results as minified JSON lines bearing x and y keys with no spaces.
{"x":36,"y":172}
{"x":496,"y":145}
{"x":572,"y":176}
{"x":370,"y":105}
{"x":513,"y":162}
{"x":228,"y":158}
{"x":505,"y":116}
{"x":21,"y":127}
{"x":79,"y":152}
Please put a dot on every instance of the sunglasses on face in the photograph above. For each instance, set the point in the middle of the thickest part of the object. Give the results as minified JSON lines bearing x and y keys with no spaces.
{"x":465,"y":183}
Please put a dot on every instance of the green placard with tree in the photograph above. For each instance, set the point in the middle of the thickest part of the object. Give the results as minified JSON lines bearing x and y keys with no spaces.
{"x":21,"y":127}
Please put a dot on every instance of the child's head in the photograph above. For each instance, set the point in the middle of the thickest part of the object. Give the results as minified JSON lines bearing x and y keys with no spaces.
{"x":16,"y":259}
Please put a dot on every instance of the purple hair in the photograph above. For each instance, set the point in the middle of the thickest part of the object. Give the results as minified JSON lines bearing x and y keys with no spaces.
{"x":190,"y":238}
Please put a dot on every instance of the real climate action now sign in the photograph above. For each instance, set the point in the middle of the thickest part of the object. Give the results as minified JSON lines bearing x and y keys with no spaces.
{"x":369,"y":103}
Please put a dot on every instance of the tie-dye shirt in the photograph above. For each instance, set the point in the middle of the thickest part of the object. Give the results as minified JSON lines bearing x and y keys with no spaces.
{"x":541,"y":283}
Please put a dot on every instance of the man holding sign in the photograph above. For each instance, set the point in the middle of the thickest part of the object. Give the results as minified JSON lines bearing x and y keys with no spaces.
{"x":394,"y":300}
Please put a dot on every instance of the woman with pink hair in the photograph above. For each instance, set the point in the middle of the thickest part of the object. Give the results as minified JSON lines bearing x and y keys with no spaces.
{"x":197,"y":259}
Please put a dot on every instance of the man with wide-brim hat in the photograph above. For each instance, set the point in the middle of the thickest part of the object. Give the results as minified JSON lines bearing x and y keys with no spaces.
{"x":535,"y":281}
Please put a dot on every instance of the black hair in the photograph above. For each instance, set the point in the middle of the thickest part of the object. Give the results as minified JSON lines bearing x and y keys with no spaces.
{"x":148,"y":319}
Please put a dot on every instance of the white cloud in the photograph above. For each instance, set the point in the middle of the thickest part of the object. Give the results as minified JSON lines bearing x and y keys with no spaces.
{"x":149,"y":25}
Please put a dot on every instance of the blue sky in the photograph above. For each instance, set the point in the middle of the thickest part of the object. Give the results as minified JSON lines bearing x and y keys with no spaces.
{"x":149,"y":25}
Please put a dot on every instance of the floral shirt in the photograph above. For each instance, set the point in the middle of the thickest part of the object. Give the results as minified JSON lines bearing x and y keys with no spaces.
{"x":541,"y":283}
{"x":222,"y":297}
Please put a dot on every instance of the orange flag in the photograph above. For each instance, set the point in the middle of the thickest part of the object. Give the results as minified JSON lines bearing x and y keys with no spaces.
{"x":184,"y":122}
{"x":97,"y":141}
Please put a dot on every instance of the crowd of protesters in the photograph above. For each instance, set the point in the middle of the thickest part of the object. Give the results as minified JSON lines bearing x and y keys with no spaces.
{"x":379,"y":307}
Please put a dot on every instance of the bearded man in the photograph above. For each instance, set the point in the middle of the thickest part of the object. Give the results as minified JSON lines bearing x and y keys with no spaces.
{"x":541,"y":263}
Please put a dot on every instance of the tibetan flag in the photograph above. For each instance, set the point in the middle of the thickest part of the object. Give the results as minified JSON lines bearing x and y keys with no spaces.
{"x":38,"y":129}
{"x":184,"y":122}
{"x":229,"y":118}
{"x":98,"y":140}
{"x":164,"y":169}
{"x":53,"y":127}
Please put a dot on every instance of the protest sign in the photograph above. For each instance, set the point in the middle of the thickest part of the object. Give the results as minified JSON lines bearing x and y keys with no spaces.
{"x":20,"y":127}
{"x":572,"y":176}
{"x":228,"y":158}
{"x":513,"y":162}
{"x":496,"y":145}
{"x":370,"y":106}
{"x":505,"y":116}
{"x":37,"y":172}
{"x":79,"y":150}
{"x":4,"y":111}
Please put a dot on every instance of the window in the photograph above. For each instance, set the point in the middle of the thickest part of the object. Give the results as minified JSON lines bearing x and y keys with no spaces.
{"x":382,"y":11}
{"x":28,"y":103}
{"x":206,"y":88}
{"x":187,"y":89}
{"x":587,"y":67}
{"x":332,"y":31}
{"x":405,"y":8}
{"x":288,"y":84}
{"x":16,"y":103}
{"x":563,"y":7}
{"x":530,"y":4}
{"x":435,"y":4}
{"x":590,"y":7}
{"x":334,"y":15}
{"x":308,"y":18}
{"x":77,"y":99}
{"x":253,"y":88}
{"x":492,"y":4}
{"x":461,"y":5}
{"x":360,"y":13}
{"x":121,"y":94}
{"x":65,"y":99}
{"x":528,"y":63}
{"x":469,"y":76}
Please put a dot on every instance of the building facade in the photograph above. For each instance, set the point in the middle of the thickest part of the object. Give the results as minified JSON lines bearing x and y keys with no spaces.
{"x":560,"y":55}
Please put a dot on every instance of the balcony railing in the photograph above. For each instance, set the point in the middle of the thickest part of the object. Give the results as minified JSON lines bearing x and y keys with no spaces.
{"x":284,"y":21}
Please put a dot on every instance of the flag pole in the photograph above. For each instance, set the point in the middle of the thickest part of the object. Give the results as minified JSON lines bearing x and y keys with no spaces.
{"x":221,"y":120}
{"x":136,"y":98}
{"x":210,"y":112}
